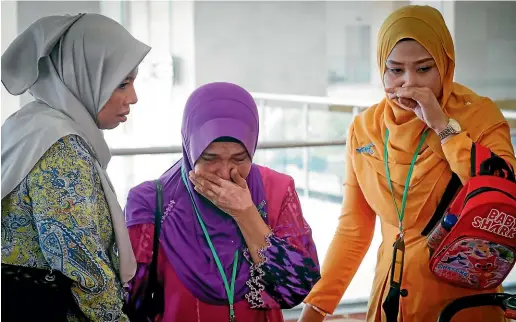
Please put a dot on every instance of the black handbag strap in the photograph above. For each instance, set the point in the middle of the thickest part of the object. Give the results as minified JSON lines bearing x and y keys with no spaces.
{"x":449,"y":193}
{"x":158,"y":215}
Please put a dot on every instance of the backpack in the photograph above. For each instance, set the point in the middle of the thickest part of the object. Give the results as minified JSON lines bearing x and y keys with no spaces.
{"x":480,"y":249}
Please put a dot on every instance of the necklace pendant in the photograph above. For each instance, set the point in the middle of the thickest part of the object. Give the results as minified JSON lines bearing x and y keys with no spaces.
{"x":232,"y":318}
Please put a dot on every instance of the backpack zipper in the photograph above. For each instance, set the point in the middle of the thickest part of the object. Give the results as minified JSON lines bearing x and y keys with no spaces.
{"x":482,"y":190}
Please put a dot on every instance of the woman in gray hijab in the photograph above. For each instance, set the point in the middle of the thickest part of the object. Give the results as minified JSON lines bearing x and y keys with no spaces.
{"x":66,"y":252}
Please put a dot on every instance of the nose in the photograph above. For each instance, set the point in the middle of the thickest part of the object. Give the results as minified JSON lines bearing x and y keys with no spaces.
{"x":132,"y":98}
{"x":224,"y":171}
{"x":409,"y":79}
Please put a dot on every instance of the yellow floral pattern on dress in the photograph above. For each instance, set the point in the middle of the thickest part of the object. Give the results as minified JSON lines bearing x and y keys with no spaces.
{"x":58,"y":217}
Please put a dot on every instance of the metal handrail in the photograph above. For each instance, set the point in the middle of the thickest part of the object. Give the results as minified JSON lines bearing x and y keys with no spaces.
{"x":510,"y":115}
{"x":316,"y":100}
{"x":262,"y":146}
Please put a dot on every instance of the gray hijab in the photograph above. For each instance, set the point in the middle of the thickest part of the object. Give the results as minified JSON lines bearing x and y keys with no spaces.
{"x":70,"y":65}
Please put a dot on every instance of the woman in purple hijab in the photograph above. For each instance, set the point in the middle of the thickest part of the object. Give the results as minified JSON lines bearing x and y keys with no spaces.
{"x":234,"y":245}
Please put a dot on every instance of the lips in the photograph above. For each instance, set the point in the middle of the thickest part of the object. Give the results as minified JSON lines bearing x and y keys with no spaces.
{"x":123,"y":117}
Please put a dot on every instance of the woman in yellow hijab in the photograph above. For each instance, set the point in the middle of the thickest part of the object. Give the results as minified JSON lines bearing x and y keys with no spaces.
{"x":424,"y":113}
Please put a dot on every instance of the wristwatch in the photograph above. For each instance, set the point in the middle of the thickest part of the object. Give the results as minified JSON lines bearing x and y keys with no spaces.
{"x":452,"y":128}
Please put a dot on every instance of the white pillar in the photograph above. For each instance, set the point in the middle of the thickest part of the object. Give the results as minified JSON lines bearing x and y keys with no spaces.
{"x":183,"y":46}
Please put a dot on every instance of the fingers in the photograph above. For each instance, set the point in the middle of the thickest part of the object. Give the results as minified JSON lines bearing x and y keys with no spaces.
{"x":237,"y":178}
{"x":406,"y":93}
{"x":205,"y":176}
{"x":391,"y":90}
{"x":208,"y":194}
{"x":205,"y":185}
{"x":419,"y":94}
{"x":404,"y":100}
{"x":205,"y":190}
{"x":407,"y":103}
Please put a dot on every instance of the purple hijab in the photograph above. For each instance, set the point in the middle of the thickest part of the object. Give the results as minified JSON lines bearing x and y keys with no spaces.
{"x":212,"y":111}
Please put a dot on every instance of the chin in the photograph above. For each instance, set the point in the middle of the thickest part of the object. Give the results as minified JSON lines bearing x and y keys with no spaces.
{"x":109,"y":126}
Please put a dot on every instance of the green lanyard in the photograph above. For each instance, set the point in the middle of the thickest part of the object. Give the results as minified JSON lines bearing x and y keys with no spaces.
{"x":230,"y":290}
{"x":401,"y":213}
{"x":398,"y":257}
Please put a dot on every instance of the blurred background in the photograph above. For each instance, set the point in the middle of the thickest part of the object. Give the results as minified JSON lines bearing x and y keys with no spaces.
{"x":310,"y":65}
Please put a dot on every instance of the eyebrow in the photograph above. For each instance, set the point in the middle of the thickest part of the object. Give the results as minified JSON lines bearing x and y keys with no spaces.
{"x":240,"y":154}
{"x":214,"y":155}
{"x":417,"y":62}
{"x":209,"y":155}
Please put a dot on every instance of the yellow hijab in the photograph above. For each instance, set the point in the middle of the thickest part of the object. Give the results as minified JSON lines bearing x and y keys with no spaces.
{"x":425,"y":25}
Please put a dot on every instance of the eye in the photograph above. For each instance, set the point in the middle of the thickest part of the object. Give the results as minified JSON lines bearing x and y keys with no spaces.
{"x":123,"y":85}
{"x":396,"y":70}
{"x":208,"y":158}
{"x":240,"y":158}
{"x":424,"y":69}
